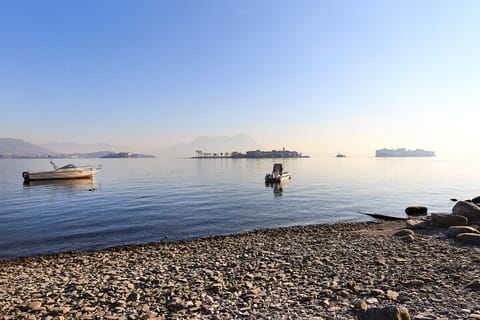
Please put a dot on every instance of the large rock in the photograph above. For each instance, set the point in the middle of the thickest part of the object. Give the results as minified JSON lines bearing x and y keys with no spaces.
{"x":454,"y":231}
{"x":387,"y":313}
{"x":468,"y":210}
{"x":445,"y":220}
{"x":476,"y":200}
{"x":468,"y":238}
{"x":416,"y":224}
{"x":416,"y":211}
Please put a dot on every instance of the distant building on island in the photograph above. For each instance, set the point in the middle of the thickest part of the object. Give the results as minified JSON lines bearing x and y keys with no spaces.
{"x":403,"y":152}
{"x":126,"y":155}
{"x":256,"y":154}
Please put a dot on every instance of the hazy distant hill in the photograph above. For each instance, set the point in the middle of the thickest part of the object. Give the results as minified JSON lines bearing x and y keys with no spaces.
{"x":239,"y":142}
{"x":73,"y":147}
{"x":20,"y":148}
{"x":17,"y":148}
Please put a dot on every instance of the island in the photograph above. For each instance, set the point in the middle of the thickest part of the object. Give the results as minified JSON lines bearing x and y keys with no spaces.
{"x":99,"y":154}
{"x":117,"y":155}
{"x":403,"y":152}
{"x":255,"y":154}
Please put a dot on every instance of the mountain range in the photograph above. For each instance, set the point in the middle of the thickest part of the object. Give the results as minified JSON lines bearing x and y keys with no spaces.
{"x":20,"y":148}
{"x":10,"y":147}
{"x":73,"y":147}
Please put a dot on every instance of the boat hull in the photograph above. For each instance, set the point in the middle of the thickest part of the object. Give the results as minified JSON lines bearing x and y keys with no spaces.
{"x":269,"y":178}
{"x":60,"y":174}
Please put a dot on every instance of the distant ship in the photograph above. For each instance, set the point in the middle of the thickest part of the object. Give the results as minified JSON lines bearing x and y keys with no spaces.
{"x":340,"y":155}
{"x":403,"y":152}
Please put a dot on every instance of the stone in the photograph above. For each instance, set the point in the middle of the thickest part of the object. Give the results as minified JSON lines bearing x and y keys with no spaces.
{"x":133,"y":297}
{"x":476,"y":200}
{"x":388,"y":313}
{"x":63,"y":310}
{"x":468,"y":238}
{"x":404,"y":232}
{"x":361,"y":305}
{"x":454,"y":231}
{"x":216,"y":287}
{"x":176,"y":304}
{"x":392,"y":295}
{"x":376,"y":292}
{"x":416,"y":224}
{"x":467,"y":209}
{"x":34,"y":305}
{"x":381,"y":261}
{"x":408,"y":238}
{"x":119,"y":303}
{"x":426,"y":316}
{"x":444,"y":220}
{"x":416,"y":211}
{"x":475,"y":285}
{"x":255,"y":291}
{"x":372,"y":300}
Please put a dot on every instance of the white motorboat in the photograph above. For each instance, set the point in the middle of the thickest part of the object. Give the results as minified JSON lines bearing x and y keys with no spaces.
{"x":66,"y":172}
{"x":277,"y":174}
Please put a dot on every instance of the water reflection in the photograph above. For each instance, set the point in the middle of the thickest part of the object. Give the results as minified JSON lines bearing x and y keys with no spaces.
{"x":277,"y":187}
{"x":82,"y":184}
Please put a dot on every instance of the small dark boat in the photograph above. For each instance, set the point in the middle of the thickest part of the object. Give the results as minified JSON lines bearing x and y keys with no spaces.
{"x":382,"y":216}
{"x":277,"y":174}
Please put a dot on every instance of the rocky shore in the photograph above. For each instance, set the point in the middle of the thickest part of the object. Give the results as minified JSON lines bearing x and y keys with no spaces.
{"x":309,"y":272}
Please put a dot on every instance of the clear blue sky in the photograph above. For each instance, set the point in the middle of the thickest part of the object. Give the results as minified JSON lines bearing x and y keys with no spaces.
{"x":319,"y":76}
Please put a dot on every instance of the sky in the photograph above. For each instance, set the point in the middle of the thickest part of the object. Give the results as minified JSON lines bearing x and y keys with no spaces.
{"x":314,"y":76}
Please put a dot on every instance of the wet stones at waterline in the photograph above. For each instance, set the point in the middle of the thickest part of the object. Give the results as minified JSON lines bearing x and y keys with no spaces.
{"x":444,"y":220}
{"x":468,"y":238}
{"x":467,"y":209}
{"x":454,"y":231}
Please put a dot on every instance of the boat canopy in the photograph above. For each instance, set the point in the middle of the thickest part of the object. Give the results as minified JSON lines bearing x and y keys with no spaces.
{"x":277,"y":169}
{"x":68,"y":166}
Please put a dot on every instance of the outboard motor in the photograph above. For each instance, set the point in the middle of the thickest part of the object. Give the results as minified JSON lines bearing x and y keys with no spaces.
{"x":26,"y":177}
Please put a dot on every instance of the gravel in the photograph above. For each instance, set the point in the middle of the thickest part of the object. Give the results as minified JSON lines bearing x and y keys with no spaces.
{"x":304,"y":272}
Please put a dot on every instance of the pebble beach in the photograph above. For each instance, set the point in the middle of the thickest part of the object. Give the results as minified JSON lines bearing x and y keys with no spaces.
{"x":304,"y":272}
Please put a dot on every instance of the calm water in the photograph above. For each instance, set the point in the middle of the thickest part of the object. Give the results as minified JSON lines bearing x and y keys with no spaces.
{"x":147,"y":200}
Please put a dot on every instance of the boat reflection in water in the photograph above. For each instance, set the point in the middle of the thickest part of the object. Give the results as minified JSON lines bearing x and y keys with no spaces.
{"x":277,"y":187}
{"x":81,"y":184}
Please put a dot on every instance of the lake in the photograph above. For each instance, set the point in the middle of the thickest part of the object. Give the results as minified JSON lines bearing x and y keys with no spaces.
{"x":135,"y":201}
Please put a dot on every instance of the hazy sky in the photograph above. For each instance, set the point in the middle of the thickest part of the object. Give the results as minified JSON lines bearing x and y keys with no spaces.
{"x":315,"y":76}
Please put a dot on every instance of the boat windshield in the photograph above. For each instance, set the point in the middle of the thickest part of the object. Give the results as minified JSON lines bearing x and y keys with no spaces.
{"x":68,"y":166}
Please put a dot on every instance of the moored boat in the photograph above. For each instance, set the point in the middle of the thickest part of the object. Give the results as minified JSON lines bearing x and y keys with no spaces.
{"x":277,"y":174}
{"x":66,"y":172}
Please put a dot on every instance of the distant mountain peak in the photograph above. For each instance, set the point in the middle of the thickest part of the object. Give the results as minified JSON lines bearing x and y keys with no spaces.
{"x":21,"y":148}
{"x":74,"y":147}
{"x":239,"y":142}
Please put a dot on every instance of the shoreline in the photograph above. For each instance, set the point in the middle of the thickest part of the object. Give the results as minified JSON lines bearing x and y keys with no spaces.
{"x":298,"y":272}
